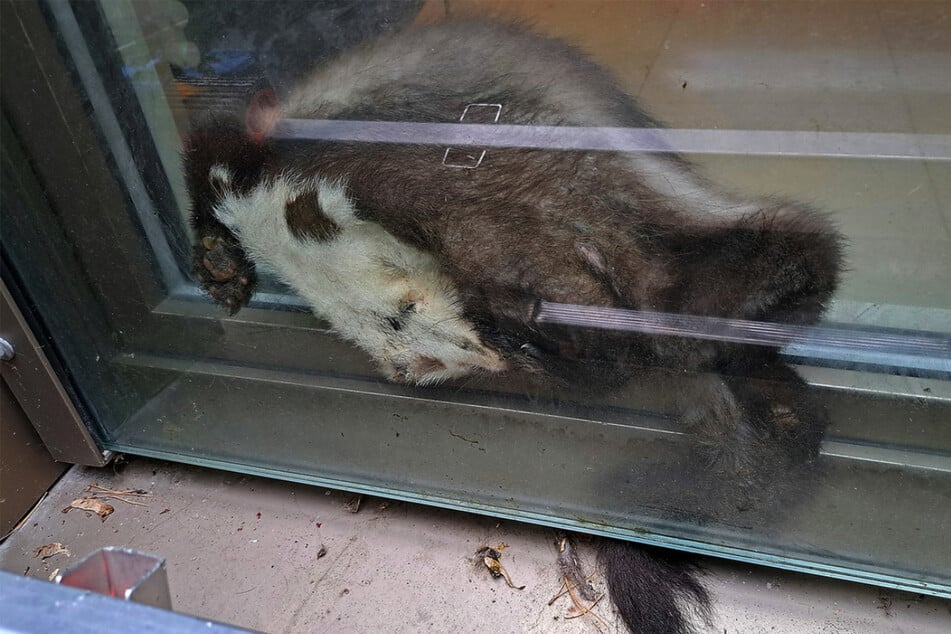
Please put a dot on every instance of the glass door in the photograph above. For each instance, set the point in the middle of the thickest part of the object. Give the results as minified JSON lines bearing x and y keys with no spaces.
{"x":705,"y":248}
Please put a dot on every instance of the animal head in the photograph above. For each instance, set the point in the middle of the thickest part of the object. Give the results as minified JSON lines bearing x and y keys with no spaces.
{"x":387,"y":297}
{"x":427,"y":340}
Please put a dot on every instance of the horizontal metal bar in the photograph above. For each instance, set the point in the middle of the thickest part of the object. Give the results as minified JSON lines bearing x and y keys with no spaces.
{"x":878,"y":145}
{"x":923,"y":351}
{"x":868,"y":346}
{"x":895,"y":456}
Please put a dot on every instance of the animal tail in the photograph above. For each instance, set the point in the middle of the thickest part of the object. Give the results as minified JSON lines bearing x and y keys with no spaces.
{"x":655,"y":591}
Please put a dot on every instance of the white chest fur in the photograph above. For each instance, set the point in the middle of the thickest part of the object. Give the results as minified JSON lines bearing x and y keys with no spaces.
{"x":383,"y":295}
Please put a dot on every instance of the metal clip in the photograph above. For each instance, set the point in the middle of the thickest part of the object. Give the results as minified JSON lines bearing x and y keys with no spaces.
{"x":478,"y":161}
{"x":497,"y":106}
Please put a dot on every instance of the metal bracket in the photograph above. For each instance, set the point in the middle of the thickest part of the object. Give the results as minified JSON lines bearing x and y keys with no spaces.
{"x":121,"y":573}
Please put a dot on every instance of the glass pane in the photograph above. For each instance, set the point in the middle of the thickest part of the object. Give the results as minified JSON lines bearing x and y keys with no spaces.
{"x":670,"y":271}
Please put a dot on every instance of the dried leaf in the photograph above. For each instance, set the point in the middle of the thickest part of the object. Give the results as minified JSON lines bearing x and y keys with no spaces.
{"x":49,"y":550}
{"x":490,"y":557}
{"x":101,"y":509}
{"x":53,"y":574}
{"x":486,"y":551}
{"x":494,"y":566}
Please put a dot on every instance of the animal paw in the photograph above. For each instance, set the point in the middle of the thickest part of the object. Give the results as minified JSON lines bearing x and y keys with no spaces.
{"x":223,"y":270}
{"x":757,"y":433}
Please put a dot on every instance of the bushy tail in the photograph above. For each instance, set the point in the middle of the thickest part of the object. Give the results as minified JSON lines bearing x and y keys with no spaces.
{"x":655,"y":591}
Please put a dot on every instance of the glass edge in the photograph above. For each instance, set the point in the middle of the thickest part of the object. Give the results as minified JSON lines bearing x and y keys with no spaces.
{"x":850,"y":573}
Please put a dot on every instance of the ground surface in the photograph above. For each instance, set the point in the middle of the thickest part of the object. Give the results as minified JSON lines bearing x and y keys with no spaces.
{"x":247,"y":551}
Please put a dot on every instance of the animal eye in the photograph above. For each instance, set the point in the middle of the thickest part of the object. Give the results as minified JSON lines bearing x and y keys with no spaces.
{"x":394,"y":323}
{"x":465,"y":345}
{"x":407,"y":308}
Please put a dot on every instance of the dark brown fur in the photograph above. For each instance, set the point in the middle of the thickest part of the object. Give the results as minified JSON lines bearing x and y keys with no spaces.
{"x":218,"y":261}
{"x":671,"y":579}
{"x":306,"y":221}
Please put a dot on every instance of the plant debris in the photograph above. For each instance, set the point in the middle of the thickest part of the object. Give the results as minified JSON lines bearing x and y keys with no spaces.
{"x":321,"y":551}
{"x":576,"y":585}
{"x":53,"y":575}
{"x":578,"y":608}
{"x":91,"y":505}
{"x":96,"y":492}
{"x":119,"y":463}
{"x":490,"y":558}
{"x":353,"y":504}
{"x":885,"y":604}
{"x":49,"y":550}
{"x":570,"y":566}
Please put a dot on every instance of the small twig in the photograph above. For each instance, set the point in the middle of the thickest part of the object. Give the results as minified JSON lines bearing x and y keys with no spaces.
{"x":574,"y":597}
{"x":563,"y":590}
{"x":585,"y":610}
{"x":97,"y":492}
{"x":137,"y":492}
{"x":121,"y":499}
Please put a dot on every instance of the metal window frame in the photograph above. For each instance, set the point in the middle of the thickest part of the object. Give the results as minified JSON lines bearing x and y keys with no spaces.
{"x":40,"y":393}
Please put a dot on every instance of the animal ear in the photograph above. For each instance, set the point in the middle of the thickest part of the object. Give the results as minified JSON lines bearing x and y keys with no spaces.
{"x":262,"y":114}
